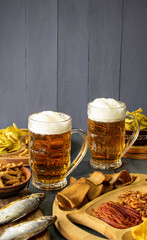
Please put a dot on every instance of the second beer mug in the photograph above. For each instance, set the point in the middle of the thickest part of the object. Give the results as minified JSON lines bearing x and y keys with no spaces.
{"x":50,"y":145}
{"x":106,"y":132}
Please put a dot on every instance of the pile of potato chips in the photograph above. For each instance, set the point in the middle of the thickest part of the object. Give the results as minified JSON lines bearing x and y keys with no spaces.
{"x":86,"y":189}
{"x":10,"y":139}
{"x":142,"y":119}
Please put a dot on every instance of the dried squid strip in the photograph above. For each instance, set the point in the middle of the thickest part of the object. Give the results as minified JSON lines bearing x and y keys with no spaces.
{"x":117,"y":215}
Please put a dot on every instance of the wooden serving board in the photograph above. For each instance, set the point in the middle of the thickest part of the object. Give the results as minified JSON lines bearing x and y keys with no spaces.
{"x":15,"y":159}
{"x":82,"y":216}
{"x":37,"y":213}
{"x":137,"y":152}
{"x":141,"y":156}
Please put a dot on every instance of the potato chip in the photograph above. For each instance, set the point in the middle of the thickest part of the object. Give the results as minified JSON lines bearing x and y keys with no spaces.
{"x":97,"y":178}
{"x":86,"y":189}
{"x":11,"y":134}
{"x":108,"y":177}
{"x":142,"y":119}
{"x":16,"y":146}
{"x":120,"y":178}
{"x":117,"y":184}
{"x":19,"y":131}
{"x":10,"y":139}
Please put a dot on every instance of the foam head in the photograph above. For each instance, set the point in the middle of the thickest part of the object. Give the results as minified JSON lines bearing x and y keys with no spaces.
{"x":106,"y":110}
{"x":49,"y":122}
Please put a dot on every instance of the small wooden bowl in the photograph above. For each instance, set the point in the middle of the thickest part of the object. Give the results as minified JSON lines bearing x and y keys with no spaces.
{"x":142,"y":137}
{"x":12,"y":190}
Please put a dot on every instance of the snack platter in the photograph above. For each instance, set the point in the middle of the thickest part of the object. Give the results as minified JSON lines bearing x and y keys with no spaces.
{"x":66,"y":218}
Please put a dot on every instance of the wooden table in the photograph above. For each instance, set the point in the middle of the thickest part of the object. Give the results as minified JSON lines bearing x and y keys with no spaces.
{"x":84,"y":168}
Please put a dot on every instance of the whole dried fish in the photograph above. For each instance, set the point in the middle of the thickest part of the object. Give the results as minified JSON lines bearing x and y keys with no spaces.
{"x":26,"y":230}
{"x":20,"y":208}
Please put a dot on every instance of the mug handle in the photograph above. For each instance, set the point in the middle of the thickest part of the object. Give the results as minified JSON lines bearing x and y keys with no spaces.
{"x":82,"y":152}
{"x":134,"y":134}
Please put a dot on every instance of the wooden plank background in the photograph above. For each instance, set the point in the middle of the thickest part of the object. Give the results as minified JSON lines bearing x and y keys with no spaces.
{"x":59,"y":55}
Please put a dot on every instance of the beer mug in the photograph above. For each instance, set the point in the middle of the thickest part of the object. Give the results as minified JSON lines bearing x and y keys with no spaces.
{"x":106,"y":132}
{"x":50,"y":145}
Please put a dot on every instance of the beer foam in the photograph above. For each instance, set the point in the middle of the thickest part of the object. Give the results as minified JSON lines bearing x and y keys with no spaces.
{"x":106,"y":110}
{"x":49,"y":122}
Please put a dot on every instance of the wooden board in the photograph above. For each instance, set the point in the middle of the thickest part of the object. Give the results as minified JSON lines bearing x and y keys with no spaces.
{"x":16,"y":160}
{"x":141,"y":156}
{"x":137,"y":152}
{"x":82,"y":216}
{"x":138,"y":149}
{"x":37,"y":213}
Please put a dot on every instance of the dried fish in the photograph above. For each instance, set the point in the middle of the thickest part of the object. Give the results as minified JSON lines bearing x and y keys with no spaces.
{"x":26,"y":230}
{"x":20,"y":208}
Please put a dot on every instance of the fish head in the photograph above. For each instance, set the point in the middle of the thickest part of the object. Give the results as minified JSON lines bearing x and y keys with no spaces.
{"x":39,"y":196}
{"x":50,"y":219}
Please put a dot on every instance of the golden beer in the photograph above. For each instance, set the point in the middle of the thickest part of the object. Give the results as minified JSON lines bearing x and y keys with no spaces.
{"x":50,"y":156}
{"x":106,"y":132}
{"x":106,"y":141}
{"x":50,"y":147}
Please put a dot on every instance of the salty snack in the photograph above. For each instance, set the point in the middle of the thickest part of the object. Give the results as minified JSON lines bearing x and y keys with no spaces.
{"x":142,"y":119}
{"x":10,"y":139}
{"x":136,"y":200}
{"x":80,"y":191}
{"x":140,"y":232}
{"x":11,"y":174}
{"x":116,"y":215}
{"x":25,"y":153}
{"x":122,"y":179}
{"x":28,"y":229}
{"x":20,"y":208}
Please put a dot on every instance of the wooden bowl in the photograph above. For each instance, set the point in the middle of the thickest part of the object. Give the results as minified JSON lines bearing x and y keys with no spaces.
{"x":12,"y":190}
{"x":141,"y":139}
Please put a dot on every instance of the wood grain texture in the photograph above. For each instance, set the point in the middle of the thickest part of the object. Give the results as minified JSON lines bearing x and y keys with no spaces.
{"x":134,"y":55}
{"x":41,"y":59}
{"x":12,"y":63}
{"x":59,"y":55}
{"x":136,"y":155}
{"x":105,"y":45}
{"x":73,"y":35}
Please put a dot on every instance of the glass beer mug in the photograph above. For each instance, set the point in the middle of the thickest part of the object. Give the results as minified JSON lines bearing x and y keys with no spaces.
{"x":50,"y":146}
{"x":106,"y":132}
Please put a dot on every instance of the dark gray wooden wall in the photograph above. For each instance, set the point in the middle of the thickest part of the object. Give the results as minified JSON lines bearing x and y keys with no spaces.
{"x":61,"y":54}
